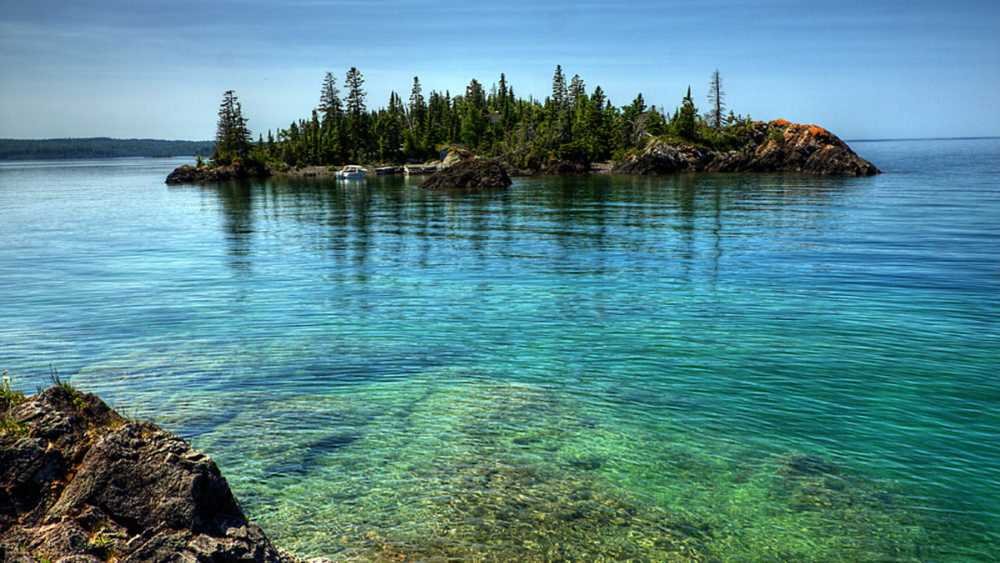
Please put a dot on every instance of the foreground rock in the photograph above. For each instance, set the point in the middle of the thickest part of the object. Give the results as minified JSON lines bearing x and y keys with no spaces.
{"x":187,"y":174}
{"x":80,"y":483}
{"x":778,"y":146}
{"x":469,"y":175}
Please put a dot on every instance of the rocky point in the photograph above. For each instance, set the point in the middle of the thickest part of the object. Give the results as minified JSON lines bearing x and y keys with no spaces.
{"x":776,"y":146}
{"x":80,"y":483}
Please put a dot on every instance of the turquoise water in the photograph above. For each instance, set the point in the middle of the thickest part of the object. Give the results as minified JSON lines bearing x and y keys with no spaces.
{"x":684,"y":368}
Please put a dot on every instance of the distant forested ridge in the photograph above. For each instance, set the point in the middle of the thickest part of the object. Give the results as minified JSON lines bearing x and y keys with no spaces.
{"x":99,"y":147}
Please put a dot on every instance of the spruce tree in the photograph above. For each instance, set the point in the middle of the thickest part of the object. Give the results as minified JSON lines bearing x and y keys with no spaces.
{"x":357,"y":125}
{"x":232,"y":137}
{"x":473,"y":123}
{"x":418,"y":107}
{"x":355,"y":93}
{"x":716,"y":101}
{"x":329,"y":99}
{"x":576,"y":89}
{"x":559,"y":89}
{"x":686,"y":119}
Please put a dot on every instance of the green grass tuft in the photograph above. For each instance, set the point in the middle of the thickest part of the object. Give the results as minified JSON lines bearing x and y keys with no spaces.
{"x":11,"y":427}
{"x":8,"y":395}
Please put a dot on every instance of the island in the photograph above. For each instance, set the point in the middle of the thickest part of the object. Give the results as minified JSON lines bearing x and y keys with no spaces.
{"x":575,"y":130}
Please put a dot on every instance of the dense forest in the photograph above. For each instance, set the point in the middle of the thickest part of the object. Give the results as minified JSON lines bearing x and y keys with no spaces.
{"x":98,"y":147}
{"x":573,"y":124}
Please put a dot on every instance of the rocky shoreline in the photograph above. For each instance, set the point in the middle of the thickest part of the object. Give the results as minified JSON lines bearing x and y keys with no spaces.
{"x":81,"y":483}
{"x":777,"y":146}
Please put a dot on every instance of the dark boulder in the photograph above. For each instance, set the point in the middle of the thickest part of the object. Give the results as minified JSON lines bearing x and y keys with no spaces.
{"x":469,"y":175}
{"x":79,"y":482}
{"x":187,"y":174}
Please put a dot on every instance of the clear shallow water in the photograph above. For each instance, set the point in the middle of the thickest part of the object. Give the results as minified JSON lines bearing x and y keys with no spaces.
{"x":734,"y":367}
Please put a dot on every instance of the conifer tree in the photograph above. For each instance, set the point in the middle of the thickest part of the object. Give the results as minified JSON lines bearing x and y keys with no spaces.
{"x":716,"y":101}
{"x":355,"y":82}
{"x":232,"y":137}
{"x":329,"y":100}
{"x":473,"y":124}
{"x":576,"y":89}
{"x":418,"y":107}
{"x":686,"y":119}
{"x":357,"y":123}
{"x":559,"y":89}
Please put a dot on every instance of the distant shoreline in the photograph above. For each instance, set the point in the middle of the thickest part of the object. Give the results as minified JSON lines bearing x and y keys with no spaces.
{"x":99,"y":147}
{"x":909,"y":139}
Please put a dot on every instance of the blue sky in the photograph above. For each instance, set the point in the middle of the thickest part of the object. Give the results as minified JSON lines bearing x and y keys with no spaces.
{"x":157,"y":69}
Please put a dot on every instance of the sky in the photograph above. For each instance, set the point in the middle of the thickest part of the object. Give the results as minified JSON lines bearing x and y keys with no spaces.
{"x":157,"y":69}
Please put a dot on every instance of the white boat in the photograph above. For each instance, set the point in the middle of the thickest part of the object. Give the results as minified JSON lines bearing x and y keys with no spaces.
{"x":352,"y":172}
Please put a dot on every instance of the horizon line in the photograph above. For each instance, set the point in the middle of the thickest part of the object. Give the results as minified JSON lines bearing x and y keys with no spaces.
{"x":873,"y":140}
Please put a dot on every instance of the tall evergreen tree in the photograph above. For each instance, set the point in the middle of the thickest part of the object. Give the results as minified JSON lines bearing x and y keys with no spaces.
{"x":577,"y":89}
{"x":473,"y":123}
{"x":559,"y":89}
{"x":357,"y":122}
{"x":329,"y":99}
{"x":232,"y":137}
{"x":716,"y":101}
{"x":686,"y":119}
{"x":355,"y":82}
{"x":418,"y":107}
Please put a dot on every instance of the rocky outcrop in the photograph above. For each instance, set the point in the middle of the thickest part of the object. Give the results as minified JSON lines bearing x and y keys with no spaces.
{"x":469,"y":175}
{"x":187,"y":174}
{"x":778,"y":146}
{"x":80,"y":483}
{"x":456,"y":155}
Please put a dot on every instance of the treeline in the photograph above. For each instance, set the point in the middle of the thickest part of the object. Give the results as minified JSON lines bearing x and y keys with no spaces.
{"x":99,"y":147}
{"x":575,"y":123}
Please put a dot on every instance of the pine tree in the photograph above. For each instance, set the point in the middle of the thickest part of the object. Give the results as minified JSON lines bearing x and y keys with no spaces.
{"x":577,"y":89}
{"x":716,"y":101}
{"x":473,"y":124}
{"x":232,"y":137}
{"x":686,"y":119}
{"x":329,"y":99}
{"x":355,"y":82}
{"x":389,"y":130}
{"x":418,"y":107}
{"x":559,"y":89}
{"x":357,"y":123}
{"x":504,"y":100}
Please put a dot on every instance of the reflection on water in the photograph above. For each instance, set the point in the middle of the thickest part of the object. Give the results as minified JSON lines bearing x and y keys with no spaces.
{"x":684,"y":368}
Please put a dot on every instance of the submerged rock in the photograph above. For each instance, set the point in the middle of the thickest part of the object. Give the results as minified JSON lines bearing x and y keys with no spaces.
{"x":777,"y":146}
{"x":79,"y":481}
{"x":470,"y":174}
{"x":187,"y":174}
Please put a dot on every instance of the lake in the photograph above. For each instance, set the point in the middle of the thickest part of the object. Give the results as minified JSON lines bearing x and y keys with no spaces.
{"x":729,"y":367}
